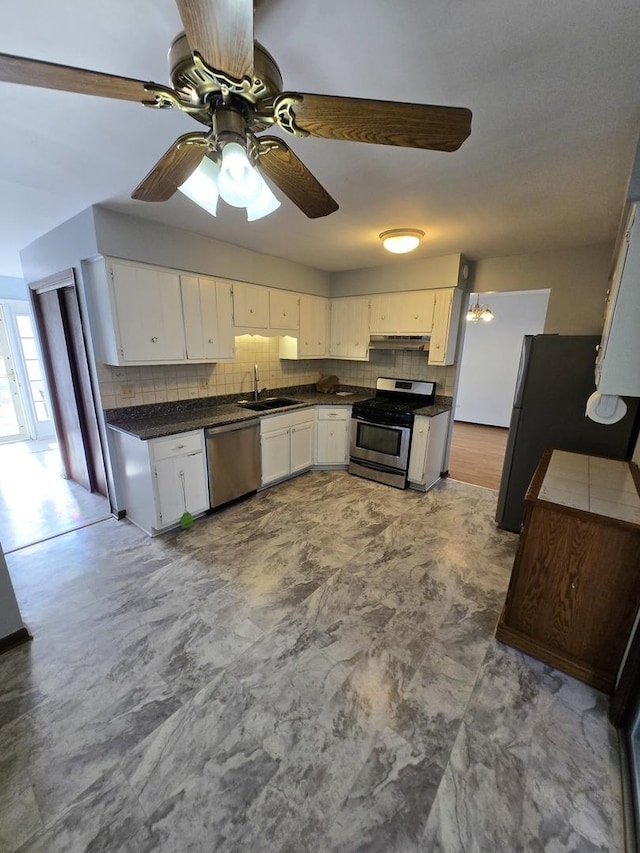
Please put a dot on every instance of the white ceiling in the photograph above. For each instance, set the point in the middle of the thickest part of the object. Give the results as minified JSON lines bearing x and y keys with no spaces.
{"x":554,"y":88}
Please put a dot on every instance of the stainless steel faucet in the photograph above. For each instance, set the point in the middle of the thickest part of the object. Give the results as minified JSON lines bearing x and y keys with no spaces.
{"x":256,"y":379}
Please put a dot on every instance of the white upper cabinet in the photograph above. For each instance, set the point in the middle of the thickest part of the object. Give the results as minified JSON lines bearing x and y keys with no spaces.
{"x":250,"y":306}
{"x":284,"y":312}
{"x":312,"y":340}
{"x":408,"y":313}
{"x":349,"y":328}
{"x":149,"y":313}
{"x":618,"y":362}
{"x":207,"y":305}
{"x":444,"y":333}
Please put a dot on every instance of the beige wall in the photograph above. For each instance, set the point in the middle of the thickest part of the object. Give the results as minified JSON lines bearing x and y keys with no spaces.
{"x":577,"y":277}
{"x":400,"y":274}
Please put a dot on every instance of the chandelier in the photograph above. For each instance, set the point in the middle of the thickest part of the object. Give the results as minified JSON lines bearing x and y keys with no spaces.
{"x":479,"y":312}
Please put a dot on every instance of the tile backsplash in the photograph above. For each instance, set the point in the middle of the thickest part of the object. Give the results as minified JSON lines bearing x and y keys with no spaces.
{"x":132,"y":386}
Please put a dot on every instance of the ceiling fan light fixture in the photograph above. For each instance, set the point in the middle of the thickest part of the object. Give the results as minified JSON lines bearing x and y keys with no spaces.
{"x":265,"y":204}
{"x":202,"y":185}
{"x":401,"y":240}
{"x":239,"y":184}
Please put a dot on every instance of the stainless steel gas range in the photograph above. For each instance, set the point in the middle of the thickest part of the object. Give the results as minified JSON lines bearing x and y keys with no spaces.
{"x":381,"y":430}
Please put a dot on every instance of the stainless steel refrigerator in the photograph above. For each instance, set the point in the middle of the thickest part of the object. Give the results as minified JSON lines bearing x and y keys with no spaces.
{"x":555,"y":379}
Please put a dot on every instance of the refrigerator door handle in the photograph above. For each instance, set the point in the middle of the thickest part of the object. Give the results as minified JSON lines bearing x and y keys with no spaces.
{"x":525,"y":356}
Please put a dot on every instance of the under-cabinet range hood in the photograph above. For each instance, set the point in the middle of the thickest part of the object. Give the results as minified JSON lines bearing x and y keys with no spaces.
{"x":400,"y":342}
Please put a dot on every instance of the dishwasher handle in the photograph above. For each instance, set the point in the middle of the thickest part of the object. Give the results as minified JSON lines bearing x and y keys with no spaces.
{"x":248,"y":424}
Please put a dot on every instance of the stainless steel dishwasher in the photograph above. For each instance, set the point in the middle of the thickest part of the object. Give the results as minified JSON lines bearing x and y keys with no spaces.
{"x":233,"y":460}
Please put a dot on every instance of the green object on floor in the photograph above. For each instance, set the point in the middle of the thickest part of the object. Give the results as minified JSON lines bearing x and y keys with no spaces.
{"x":186,"y":520}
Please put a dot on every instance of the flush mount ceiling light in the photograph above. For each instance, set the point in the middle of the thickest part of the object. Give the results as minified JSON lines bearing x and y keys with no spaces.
{"x":401,"y":240}
{"x":233,"y":178}
{"x":479,"y":312}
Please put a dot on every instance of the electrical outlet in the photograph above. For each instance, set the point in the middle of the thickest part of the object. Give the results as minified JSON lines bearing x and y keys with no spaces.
{"x":204,"y":383}
{"x":127,"y":390}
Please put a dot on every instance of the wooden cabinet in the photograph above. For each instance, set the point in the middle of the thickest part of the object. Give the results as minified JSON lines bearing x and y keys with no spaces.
{"x":207,"y":307}
{"x":332,"y":435}
{"x":444,"y":332}
{"x":428,"y":441}
{"x":617,"y":364}
{"x":250,"y":306}
{"x":349,"y":328}
{"x":158,"y":480}
{"x":575,"y":586}
{"x":408,"y":313}
{"x":287,"y":444}
{"x":312,"y":340}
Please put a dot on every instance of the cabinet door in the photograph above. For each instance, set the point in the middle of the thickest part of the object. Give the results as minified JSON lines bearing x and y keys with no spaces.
{"x":383,"y":319}
{"x":275,"y":455}
{"x":350,"y":328}
{"x":283,"y":310}
{"x":149,"y":312}
{"x":250,"y":306}
{"x":414,"y":312}
{"x":332,"y":445}
{"x":181,"y":483}
{"x":444,"y":334}
{"x":314,"y":326}
{"x":301,"y":447}
{"x":418,"y":458}
{"x":208,"y":318}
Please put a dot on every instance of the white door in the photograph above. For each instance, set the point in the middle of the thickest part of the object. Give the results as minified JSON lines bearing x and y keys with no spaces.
{"x":13,"y":425}
{"x":181,"y":487}
{"x":208,"y":318}
{"x":301,"y":447}
{"x":332,"y":442}
{"x":250,"y":305}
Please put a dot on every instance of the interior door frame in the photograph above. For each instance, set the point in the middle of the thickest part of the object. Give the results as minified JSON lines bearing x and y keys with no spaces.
{"x":9,"y":359}
{"x":81,"y":446}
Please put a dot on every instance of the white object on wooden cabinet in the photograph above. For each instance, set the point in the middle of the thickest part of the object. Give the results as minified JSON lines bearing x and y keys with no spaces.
{"x":208,"y":318}
{"x":617,"y":368}
{"x":349,"y":328}
{"x":428,"y":441}
{"x":160,"y":479}
{"x":446,"y":319}
{"x":332,"y":441}
{"x":287,"y":443}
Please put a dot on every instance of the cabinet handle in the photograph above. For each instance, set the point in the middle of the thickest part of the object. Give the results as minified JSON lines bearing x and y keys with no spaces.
{"x":573,"y":585}
{"x":154,"y":340}
{"x":179,"y":446}
{"x":250,"y":310}
{"x":210,"y":340}
{"x":415,"y":316}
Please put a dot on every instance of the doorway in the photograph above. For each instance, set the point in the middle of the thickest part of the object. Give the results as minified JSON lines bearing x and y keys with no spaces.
{"x":13,"y":423}
{"x":486,"y":383}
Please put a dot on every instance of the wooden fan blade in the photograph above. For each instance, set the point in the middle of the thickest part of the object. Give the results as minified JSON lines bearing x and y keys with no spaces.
{"x":278,"y":162}
{"x":173,"y":168}
{"x":221,"y":31}
{"x":48,"y":75}
{"x":381,"y":122}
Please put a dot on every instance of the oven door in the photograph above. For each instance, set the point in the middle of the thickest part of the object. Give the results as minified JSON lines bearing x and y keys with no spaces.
{"x":380,"y":444}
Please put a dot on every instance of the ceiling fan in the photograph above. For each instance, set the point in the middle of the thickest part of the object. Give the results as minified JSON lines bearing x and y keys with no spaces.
{"x":232,"y":85}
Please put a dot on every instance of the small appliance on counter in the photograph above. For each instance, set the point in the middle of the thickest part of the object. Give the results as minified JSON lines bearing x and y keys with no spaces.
{"x":381,"y":430}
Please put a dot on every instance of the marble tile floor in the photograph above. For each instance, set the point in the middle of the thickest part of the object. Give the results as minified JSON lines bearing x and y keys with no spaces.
{"x":36,"y":503}
{"x":311,"y":670}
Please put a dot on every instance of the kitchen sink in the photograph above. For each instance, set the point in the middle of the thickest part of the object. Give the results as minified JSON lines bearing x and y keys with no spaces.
{"x":268,"y":403}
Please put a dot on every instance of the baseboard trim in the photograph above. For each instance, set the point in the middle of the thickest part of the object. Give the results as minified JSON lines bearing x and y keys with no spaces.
{"x":22,"y":635}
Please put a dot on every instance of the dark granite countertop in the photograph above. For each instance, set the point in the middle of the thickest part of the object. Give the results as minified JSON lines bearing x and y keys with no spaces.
{"x":156,"y":420}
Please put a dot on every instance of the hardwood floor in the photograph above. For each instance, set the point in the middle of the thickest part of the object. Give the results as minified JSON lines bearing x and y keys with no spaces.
{"x":477,"y":454}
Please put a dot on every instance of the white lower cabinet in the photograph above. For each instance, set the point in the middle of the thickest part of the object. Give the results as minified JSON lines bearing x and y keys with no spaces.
{"x":287,"y":444}
{"x":428,"y":441}
{"x":332,"y":435}
{"x":160,"y":479}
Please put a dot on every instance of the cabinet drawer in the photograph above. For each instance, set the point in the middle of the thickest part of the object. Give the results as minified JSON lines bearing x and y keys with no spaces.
{"x":176,"y":445}
{"x":333,"y":413}
{"x":275,"y":422}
